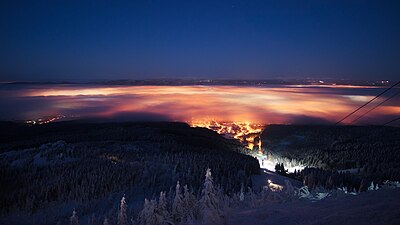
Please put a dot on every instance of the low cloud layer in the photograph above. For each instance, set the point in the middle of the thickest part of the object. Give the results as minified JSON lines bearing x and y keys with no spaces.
{"x":187,"y":103}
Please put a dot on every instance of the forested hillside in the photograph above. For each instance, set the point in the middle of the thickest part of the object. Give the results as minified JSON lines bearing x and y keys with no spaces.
{"x":49,"y":165}
{"x":372,"y":152}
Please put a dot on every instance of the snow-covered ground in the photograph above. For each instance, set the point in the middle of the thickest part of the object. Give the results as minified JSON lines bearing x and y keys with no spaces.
{"x":372,"y":207}
{"x":269,"y":178}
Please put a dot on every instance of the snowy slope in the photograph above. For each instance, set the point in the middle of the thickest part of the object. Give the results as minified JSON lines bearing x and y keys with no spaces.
{"x":267,"y":177}
{"x":372,"y":207}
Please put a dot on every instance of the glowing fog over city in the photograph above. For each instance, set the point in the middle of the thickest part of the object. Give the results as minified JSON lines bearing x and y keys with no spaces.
{"x":238,"y":112}
{"x":256,"y":105}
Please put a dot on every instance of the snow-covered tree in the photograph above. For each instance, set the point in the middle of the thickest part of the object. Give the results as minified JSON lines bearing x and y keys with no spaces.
{"x":74,"y":218}
{"x":241,"y":195}
{"x":371,"y":187}
{"x":106,"y":221}
{"x":141,"y":220}
{"x":209,"y":201}
{"x":190,"y":205}
{"x":122,"y":214}
{"x":177,"y":205}
{"x":148,"y":215}
{"x":163,"y":216}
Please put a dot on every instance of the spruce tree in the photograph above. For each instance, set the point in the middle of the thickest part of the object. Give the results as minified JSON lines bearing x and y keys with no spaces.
{"x":163,"y":215}
{"x":122,"y":215}
{"x":177,"y":205}
{"x":74,"y":218}
{"x":209,"y":202}
{"x":106,"y":222}
{"x":190,"y":205}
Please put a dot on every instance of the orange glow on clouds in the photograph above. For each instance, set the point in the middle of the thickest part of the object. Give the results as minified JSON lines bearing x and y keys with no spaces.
{"x":261,"y":105}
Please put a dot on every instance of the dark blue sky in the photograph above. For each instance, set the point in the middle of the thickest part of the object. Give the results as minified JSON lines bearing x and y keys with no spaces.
{"x":69,"y":40}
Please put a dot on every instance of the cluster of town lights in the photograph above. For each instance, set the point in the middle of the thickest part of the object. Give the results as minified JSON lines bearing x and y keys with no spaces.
{"x":244,"y":131}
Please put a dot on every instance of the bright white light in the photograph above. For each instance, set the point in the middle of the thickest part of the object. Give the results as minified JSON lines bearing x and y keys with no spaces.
{"x":269,"y":164}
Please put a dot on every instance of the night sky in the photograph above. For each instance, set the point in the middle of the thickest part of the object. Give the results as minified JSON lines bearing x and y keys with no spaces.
{"x":89,"y":40}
